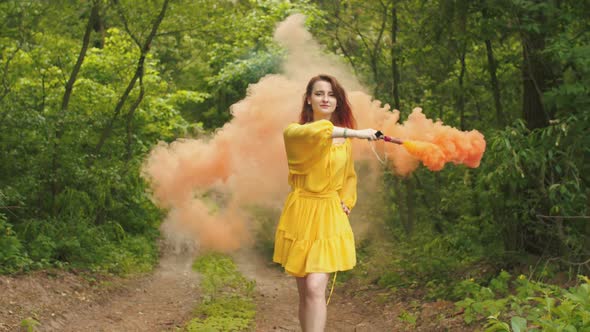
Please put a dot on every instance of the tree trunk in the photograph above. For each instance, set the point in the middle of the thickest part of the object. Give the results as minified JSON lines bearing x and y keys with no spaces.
{"x":461,"y":99}
{"x":394,"y":54}
{"x":130,"y":119}
{"x":534,"y":81}
{"x":100,"y":29}
{"x":85,"y":42}
{"x":399,"y":184}
{"x":536,"y":74}
{"x":138,"y":73}
{"x":410,"y":205}
{"x":377,"y":52}
{"x":69,"y":88}
{"x":492,"y":67}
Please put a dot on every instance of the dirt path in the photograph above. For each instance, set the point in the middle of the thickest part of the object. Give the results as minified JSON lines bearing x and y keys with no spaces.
{"x":164,"y":300}
{"x":160,"y":301}
{"x":277,"y":302}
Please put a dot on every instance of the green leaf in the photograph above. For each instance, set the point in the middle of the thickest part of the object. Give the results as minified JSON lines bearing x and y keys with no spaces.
{"x":518,"y":324}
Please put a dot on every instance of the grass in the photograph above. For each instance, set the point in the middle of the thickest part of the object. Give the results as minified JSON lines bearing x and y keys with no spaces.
{"x":227,"y":296}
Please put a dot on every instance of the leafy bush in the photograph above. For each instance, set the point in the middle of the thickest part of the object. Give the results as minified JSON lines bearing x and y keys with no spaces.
{"x":12,"y":256}
{"x":529,"y":306}
{"x":265,"y":220}
{"x":74,"y":203}
{"x":527,"y":201}
{"x":547,"y":165}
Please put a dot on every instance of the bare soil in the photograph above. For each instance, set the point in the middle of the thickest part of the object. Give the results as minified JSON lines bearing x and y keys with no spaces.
{"x":353,"y":307}
{"x":60,"y":301}
{"x":163,"y":301}
{"x":277,"y":302}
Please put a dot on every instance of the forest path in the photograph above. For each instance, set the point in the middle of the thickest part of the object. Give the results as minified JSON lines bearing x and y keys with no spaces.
{"x":160,"y":301}
{"x":277,"y":301}
{"x":164,"y":300}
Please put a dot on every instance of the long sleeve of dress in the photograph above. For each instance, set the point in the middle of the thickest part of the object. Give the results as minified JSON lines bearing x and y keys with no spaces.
{"x":306,"y":144}
{"x":348,"y":192}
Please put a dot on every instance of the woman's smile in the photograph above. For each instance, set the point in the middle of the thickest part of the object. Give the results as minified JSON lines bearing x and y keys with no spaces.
{"x":322,"y":100}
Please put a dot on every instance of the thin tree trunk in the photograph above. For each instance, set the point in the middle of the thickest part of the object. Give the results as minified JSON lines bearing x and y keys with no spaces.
{"x":537,"y":74}
{"x":85,"y":42}
{"x":59,"y":131}
{"x":377,"y":51}
{"x":138,"y":73}
{"x":410,"y":205}
{"x":346,"y":55}
{"x":99,"y":27}
{"x":394,"y":54}
{"x":492,"y":67}
{"x":461,"y":99}
{"x":130,"y":119}
{"x":399,"y":183}
{"x":341,"y":45}
{"x":533,"y":80}
{"x":5,"y":87}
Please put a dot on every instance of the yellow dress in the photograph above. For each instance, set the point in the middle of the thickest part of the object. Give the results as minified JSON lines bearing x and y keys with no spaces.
{"x":314,"y":234}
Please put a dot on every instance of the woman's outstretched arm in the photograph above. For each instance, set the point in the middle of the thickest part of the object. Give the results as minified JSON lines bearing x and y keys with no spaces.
{"x":369,"y":133}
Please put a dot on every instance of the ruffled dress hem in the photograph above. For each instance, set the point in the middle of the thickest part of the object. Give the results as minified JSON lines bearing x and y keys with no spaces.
{"x":317,"y":256}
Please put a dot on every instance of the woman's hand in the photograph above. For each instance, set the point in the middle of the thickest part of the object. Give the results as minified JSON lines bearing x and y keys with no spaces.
{"x":345,"y":208}
{"x":370,"y":134}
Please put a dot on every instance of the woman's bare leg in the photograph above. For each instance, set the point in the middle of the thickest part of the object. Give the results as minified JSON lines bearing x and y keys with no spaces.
{"x":301,"y":290}
{"x":315,"y":311}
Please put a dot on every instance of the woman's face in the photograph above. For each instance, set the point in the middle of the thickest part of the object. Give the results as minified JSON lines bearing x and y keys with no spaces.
{"x":322,"y":100}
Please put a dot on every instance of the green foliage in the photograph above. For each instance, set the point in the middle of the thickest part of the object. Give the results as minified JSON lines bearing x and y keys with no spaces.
{"x":69,"y":204}
{"x":264,"y":220}
{"x":219,"y":271}
{"x":12,"y":256}
{"x":548,"y":165}
{"x":523,"y":199}
{"x":228,"y":303}
{"x":530,"y":186}
{"x":221,"y":47}
{"x":407,"y":317}
{"x":531,"y":306}
{"x":441,"y":247}
{"x":64,"y":202}
{"x":29,"y":324}
{"x":70,"y":166}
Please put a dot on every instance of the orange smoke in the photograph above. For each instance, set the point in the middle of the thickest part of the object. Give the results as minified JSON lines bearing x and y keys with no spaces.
{"x":205,"y":184}
{"x":430,"y":154}
{"x":430,"y":142}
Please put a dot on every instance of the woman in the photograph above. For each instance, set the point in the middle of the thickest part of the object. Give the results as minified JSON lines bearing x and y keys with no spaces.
{"x":314,"y":237}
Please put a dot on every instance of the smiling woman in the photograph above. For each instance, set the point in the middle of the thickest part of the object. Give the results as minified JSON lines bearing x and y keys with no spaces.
{"x":314,"y":237}
{"x":322,"y":100}
{"x":323,"y":96}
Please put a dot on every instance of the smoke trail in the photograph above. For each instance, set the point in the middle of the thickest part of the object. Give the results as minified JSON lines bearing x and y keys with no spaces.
{"x":432,"y":143}
{"x":206,"y":183}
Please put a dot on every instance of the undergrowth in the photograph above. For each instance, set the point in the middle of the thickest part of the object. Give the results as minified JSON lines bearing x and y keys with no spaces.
{"x":520,"y":304}
{"x":488,"y":299}
{"x":227,"y":296}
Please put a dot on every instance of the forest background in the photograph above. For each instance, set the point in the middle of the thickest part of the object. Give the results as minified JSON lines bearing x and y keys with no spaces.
{"x":87,"y":88}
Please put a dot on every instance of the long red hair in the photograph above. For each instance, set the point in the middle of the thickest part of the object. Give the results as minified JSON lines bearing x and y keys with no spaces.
{"x":342,"y":115}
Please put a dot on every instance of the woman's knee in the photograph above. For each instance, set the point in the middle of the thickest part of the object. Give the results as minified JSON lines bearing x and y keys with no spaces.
{"x":315,"y":285}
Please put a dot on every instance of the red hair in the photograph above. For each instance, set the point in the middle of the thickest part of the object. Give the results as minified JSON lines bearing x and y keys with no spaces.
{"x":342,"y":115}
